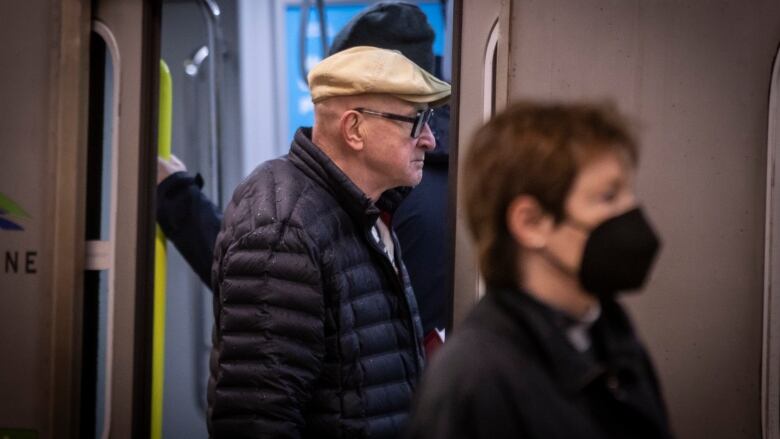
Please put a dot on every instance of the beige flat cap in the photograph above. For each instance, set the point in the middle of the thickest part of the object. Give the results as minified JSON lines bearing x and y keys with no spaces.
{"x":365,"y":69}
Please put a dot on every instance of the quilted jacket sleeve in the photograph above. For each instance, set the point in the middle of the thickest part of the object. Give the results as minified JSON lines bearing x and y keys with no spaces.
{"x":269,"y":336}
{"x":190,"y":220}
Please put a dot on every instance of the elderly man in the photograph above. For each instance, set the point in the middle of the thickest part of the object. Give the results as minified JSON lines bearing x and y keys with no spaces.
{"x":317,"y":332}
{"x":191,"y":222}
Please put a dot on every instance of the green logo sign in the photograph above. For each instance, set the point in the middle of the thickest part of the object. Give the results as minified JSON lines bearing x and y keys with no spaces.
{"x":10,"y":212}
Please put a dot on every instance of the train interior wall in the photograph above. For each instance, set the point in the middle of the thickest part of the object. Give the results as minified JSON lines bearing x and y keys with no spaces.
{"x":695,"y":76}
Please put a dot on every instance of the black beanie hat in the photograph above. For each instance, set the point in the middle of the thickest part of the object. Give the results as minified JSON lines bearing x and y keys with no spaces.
{"x":390,"y":25}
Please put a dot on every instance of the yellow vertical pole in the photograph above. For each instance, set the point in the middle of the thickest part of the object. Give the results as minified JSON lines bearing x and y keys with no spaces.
{"x":158,"y":342}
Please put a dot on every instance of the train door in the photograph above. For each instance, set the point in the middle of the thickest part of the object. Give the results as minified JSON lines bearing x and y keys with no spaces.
{"x":700,"y":97}
{"x":75,"y":228}
{"x":43,"y":133}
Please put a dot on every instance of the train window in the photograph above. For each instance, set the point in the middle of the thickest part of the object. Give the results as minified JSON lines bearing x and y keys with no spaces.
{"x":491,"y":64}
{"x":99,"y":233}
{"x":489,"y":95}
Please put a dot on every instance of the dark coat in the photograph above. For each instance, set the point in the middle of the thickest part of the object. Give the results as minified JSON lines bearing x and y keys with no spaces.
{"x":189,"y":220}
{"x":509,"y":372}
{"x":315,"y":333}
{"x":423,"y":230}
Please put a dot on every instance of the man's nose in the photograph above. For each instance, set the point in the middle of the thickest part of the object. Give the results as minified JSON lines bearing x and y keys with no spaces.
{"x":426,"y":140}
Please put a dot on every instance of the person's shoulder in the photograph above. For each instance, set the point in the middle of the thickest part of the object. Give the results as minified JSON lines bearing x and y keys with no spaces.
{"x":278,"y":192}
{"x":272,"y":194}
{"x":269,"y":177}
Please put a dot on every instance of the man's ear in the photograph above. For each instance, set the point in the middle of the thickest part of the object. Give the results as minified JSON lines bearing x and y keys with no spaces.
{"x":528,"y":223}
{"x":352,"y":130}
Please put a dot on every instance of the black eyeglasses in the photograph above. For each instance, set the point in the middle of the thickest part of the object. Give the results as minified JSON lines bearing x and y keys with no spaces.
{"x":418,"y":121}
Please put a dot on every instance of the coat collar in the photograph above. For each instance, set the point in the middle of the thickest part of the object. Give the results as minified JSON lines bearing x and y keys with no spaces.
{"x":310,"y":159}
{"x":618,"y":351}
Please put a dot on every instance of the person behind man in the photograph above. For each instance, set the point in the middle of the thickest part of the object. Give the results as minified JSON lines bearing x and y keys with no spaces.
{"x":421,"y":220}
{"x":191,"y":221}
{"x":317,"y":332}
{"x":548,"y":352}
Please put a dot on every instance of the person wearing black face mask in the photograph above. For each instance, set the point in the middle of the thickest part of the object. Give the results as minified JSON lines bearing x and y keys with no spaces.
{"x":618,"y":253}
{"x":548,"y":352}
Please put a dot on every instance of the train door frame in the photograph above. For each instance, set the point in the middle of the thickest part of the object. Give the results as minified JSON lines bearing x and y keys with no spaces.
{"x":481,"y":38}
{"x":770,"y":374}
{"x":68,"y":81}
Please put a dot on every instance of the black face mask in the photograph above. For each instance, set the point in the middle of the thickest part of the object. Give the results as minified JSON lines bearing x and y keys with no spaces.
{"x":618,"y":254}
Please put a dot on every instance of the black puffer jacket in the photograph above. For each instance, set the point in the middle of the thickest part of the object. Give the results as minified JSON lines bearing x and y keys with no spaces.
{"x":315,"y":334}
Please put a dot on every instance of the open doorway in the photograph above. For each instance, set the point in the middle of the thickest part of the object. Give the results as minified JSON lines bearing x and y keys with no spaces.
{"x":239,"y":94}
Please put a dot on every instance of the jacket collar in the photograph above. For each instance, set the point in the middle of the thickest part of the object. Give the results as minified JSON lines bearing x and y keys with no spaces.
{"x":311,"y":160}
{"x":613,"y":338}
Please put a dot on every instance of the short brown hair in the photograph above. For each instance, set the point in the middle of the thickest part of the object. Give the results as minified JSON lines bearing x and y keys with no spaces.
{"x":534,"y":149}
